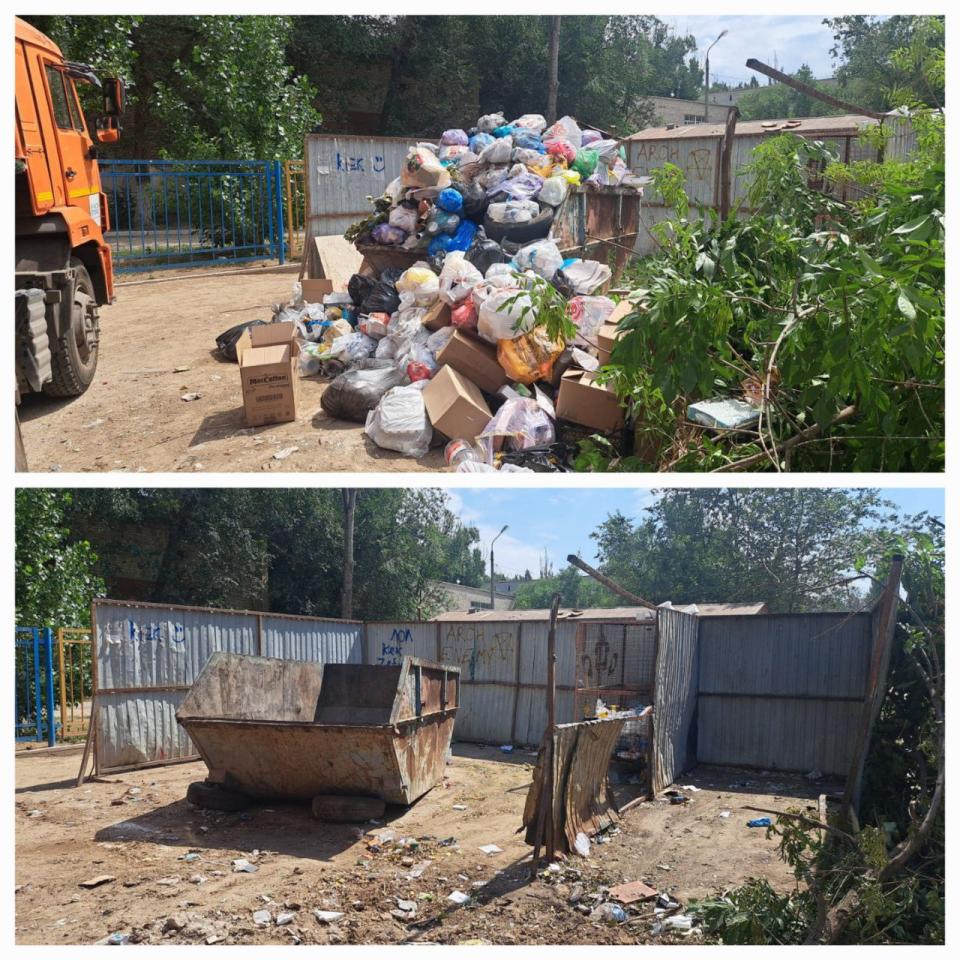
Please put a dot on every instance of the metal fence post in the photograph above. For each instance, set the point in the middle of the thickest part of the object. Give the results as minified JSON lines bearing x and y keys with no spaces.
{"x":37,"y":697}
{"x":277,"y":177}
{"x":51,"y":722}
{"x":271,"y":205}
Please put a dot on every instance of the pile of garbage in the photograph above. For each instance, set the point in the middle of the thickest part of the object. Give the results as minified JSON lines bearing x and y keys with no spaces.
{"x":484,"y":333}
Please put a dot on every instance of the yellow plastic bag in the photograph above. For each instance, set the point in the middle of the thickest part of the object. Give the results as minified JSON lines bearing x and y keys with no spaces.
{"x":572,"y":177}
{"x":530,"y":356}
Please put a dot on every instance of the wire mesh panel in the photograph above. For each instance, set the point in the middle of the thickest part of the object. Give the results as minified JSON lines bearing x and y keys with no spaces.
{"x":614,"y":665}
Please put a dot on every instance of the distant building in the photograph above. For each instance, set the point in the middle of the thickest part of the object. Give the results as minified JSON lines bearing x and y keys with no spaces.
{"x":459,"y":597}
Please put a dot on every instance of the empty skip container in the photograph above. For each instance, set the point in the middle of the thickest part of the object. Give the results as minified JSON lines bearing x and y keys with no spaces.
{"x":283,"y":728}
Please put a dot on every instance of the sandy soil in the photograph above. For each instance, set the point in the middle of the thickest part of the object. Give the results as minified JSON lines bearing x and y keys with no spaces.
{"x":138,"y":828}
{"x":132,"y":418}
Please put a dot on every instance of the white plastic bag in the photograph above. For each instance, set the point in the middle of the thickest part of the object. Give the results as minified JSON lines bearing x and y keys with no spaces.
{"x":541,"y":256}
{"x":589,"y":314}
{"x":518,"y":424}
{"x":585,"y":276}
{"x":400,"y":422}
{"x":554,"y":191}
{"x":486,"y":288}
{"x":404,"y":217}
{"x":457,"y":278}
{"x":311,"y":354}
{"x":490,"y":121}
{"x":565,"y":129}
{"x":420,"y":284}
{"x":513,"y":211}
{"x":505,"y":315}
{"x":351,"y":348}
{"x":440,"y":338}
{"x":497,"y":152}
{"x":499,"y":270}
{"x":534,"y":122}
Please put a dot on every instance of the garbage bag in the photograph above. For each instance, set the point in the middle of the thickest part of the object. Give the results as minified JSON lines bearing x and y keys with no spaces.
{"x":480,"y":140}
{"x":528,"y":141}
{"x":589,"y":314}
{"x":505,"y":314}
{"x":310,"y":359}
{"x":386,"y":349}
{"x":350,"y":348}
{"x":498,"y":270}
{"x":565,"y":129}
{"x":474,"y":200}
{"x":524,"y":187}
{"x":450,"y":200}
{"x":457,"y":278}
{"x":586,"y":162}
{"x":227,"y":341}
{"x":463,"y":316}
{"x":529,"y":158}
{"x":529,"y":357}
{"x":607,"y":150}
{"x":387,"y":235}
{"x":520,"y":423}
{"x":442,"y":222}
{"x":419,"y":284}
{"x":534,"y":122}
{"x":490,"y":121}
{"x":488,"y":287}
{"x":355,"y":393}
{"x":440,"y":338}
{"x":541,"y":256}
{"x":553,"y":191}
{"x":375,"y":326}
{"x":360,"y":287}
{"x":562,"y":149}
{"x":485,"y":254}
{"x":384,"y":297}
{"x":492,"y":175}
{"x":463,"y":238}
{"x":422,"y":168}
{"x":497,"y":152}
{"x":400,"y":422}
{"x":572,"y":177}
{"x":505,"y":131}
{"x":451,"y":137}
{"x":589,"y":137}
{"x":513,"y":211}
{"x":582,"y":277}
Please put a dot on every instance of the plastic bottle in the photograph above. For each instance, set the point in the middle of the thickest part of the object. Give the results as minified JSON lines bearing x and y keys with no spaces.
{"x":460,"y":450}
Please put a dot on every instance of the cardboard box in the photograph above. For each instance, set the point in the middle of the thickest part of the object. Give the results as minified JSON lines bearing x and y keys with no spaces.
{"x":582,"y":400}
{"x":455,"y":405}
{"x":438,"y":316}
{"x":475,"y":359}
{"x":606,"y":337}
{"x":267,"y":357}
{"x":315,"y":290}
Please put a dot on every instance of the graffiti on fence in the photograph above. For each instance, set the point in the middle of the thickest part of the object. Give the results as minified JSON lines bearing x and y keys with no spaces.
{"x":467,"y":645}
{"x":345,"y":163}
{"x":156,"y":633}
{"x":392,"y":650}
{"x":601,"y":664}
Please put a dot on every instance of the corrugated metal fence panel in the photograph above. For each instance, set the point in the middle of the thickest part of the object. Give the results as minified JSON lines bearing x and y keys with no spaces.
{"x":341,"y":172}
{"x":782,"y":691}
{"x":320,"y":641}
{"x":388,"y":642}
{"x":698,"y":157}
{"x":152,"y":647}
{"x":140,"y":728}
{"x":675,"y":695}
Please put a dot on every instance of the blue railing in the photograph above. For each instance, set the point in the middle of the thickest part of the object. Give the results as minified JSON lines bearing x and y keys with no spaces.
{"x":35,"y":714}
{"x":187,"y":213}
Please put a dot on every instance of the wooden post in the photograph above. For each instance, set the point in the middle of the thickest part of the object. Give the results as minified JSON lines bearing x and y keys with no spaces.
{"x":876,"y":683}
{"x":552,"y":721}
{"x":726,"y":152}
{"x":63,"y":685}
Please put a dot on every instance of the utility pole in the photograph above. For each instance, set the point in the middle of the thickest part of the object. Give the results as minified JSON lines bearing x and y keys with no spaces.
{"x":706,"y":84}
{"x":492,"y":542}
{"x":553,"y":83}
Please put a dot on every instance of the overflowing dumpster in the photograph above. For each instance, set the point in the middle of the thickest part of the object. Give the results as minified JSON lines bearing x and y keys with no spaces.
{"x":286,"y":729}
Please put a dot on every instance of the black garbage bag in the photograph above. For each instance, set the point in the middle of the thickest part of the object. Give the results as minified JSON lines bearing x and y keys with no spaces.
{"x":227,"y":341}
{"x":360,"y":287}
{"x":355,"y":393}
{"x":383,"y":298}
{"x":475,"y":201}
{"x":485,"y":253}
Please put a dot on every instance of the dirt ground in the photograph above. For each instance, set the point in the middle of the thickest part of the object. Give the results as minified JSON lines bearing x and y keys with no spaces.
{"x":172,"y":878}
{"x":157,"y":344}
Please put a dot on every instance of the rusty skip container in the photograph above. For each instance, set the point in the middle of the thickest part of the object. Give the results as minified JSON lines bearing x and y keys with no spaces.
{"x":285,"y":728}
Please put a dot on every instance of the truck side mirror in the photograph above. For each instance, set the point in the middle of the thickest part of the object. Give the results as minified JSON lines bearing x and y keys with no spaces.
{"x":113,"y":96}
{"x":108,"y":129}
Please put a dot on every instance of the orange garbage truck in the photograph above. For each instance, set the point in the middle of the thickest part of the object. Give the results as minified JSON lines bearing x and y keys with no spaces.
{"x":64,"y":272}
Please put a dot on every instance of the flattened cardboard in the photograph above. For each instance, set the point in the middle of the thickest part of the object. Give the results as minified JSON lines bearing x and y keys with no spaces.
{"x":475,"y":359}
{"x":582,"y":400}
{"x":267,"y":357}
{"x":455,"y":405}
{"x":437,"y":317}
{"x":606,"y":338}
{"x":315,"y":290}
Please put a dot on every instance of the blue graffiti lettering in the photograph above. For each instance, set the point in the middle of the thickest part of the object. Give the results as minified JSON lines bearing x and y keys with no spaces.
{"x":379,"y":164}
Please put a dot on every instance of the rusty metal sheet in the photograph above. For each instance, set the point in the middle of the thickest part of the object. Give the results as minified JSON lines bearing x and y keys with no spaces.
{"x":274,"y":728}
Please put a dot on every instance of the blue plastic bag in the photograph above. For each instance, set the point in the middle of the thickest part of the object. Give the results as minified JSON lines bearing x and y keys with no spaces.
{"x":504,"y":131}
{"x":760,"y":822}
{"x":450,"y":200}
{"x":480,"y":140}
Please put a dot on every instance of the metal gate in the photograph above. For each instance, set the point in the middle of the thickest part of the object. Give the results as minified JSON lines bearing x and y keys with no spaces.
{"x":295,"y":204}
{"x":164,"y":214}
{"x":34,"y":717}
{"x":74,"y":680}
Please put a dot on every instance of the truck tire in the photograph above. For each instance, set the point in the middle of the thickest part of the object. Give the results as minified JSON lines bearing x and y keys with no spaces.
{"x":535,"y":229}
{"x":75,"y":354}
{"x":211,"y":796}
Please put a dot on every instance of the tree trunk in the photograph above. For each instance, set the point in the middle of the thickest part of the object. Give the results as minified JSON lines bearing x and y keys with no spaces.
{"x":349,"y":509}
{"x":553,"y":84}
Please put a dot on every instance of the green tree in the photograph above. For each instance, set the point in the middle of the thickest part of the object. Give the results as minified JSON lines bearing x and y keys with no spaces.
{"x":576,"y":591}
{"x":55,"y":576}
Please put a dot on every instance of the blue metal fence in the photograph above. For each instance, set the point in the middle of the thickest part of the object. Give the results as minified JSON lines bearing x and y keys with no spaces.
{"x":35,"y":716}
{"x":185,"y":213}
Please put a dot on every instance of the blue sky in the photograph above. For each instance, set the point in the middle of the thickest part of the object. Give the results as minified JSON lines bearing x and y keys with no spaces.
{"x":793,"y":41}
{"x":561,"y":520}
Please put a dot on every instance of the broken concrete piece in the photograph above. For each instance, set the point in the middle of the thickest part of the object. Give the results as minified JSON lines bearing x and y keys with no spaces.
{"x":96,"y":881}
{"x":632,"y":892}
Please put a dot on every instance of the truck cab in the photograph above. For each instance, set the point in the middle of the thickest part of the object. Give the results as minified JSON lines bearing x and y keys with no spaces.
{"x":64,"y":271}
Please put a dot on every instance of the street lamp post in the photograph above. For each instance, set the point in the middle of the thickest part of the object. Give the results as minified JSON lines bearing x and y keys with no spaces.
{"x":492,"y":542}
{"x":706,"y":85}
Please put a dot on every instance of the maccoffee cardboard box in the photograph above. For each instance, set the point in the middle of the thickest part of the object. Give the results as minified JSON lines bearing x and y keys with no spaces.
{"x":267,"y":357}
{"x":315,"y":290}
{"x":455,"y":405}
{"x":437,"y":316}
{"x":582,"y":400}
{"x":475,"y":359}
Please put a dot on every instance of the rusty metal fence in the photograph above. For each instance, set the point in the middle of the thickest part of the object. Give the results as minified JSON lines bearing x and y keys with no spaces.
{"x":74,"y":679}
{"x":295,"y":201}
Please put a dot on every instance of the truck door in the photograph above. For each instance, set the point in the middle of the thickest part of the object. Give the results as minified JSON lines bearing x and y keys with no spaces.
{"x":32,"y":141}
{"x":81,"y":183}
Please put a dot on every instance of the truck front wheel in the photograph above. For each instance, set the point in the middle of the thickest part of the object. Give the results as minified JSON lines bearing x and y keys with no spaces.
{"x":75,"y":353}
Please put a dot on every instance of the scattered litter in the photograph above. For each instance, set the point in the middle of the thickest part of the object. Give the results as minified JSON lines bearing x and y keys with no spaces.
{"x":262,"y":917}
{"x":168,"y":881}
{"x":582,"y":845}
{"x":244,"y":866}
{"x":690,"y":786}
{"x":609,"y":913}
{"x":490,"y":849}
{"x":418,"y":869}
{"x":190,"y":857}
{"x":459,"y":897}
{"x":448,"y":842}
{"x":507,"y":748}
{"x":760,"y":822}
{"x":663,"y":866}
{"x":97,"y":881}
{"x":725,"y":814}
{"x":190,"y":396}
{"x":632,"y":892}
{"x":284,"y":918}
{"x":459,"y":806}
{"x":327,"y":916}
{"x":814,"y":775}
{"x":117,"y":939}
{"x":197,"y":878}
{"x":285,"y":452}
{"x":681,"y":923}
{"x":407,"y":906}
{"x":180,"y":369}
